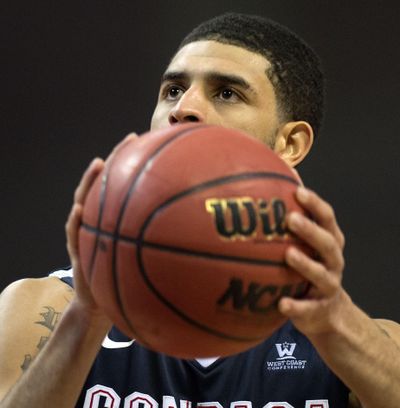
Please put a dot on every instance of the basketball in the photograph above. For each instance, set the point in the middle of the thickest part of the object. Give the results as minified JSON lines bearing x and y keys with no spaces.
{"x":183,"y":238}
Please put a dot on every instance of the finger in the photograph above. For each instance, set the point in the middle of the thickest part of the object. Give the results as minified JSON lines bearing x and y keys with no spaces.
{"x":317,"y":238}
{"x":72,"y":231}
{"x":324,"y":281}
{"x":321,"y":212}
{"x":94,"y":169}
{"x":296,"y":174}
{"x":294,"y":308}
{"x":125,"y":141}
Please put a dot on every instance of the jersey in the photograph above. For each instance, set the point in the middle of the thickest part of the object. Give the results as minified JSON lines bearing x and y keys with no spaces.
{"x":284,"y":371}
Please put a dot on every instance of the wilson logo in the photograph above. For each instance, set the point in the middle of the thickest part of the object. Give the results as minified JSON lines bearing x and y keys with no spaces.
{"x":244,"y":218}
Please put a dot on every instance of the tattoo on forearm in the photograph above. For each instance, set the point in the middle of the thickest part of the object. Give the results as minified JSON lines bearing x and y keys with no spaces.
{"x":27,"y":362}
{"x":43,"y":340}
{"x":50,"y":320}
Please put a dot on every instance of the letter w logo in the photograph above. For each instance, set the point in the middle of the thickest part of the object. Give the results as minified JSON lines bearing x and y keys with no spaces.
{"x":285,"y":350}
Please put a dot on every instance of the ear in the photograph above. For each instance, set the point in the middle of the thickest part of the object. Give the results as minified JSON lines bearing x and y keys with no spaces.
{"x":293,"y":142}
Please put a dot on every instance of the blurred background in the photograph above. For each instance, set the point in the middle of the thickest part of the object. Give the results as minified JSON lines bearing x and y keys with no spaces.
{"x":76,"y":76}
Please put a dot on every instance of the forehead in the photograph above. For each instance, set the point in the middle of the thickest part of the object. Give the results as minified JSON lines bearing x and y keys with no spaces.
{"x":202,"y":56}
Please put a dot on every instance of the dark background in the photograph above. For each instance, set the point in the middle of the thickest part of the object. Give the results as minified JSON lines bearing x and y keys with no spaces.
{"x":76,"y":76}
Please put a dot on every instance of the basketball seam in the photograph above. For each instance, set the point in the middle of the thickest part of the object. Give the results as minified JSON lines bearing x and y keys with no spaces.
{"x":188,"y":251}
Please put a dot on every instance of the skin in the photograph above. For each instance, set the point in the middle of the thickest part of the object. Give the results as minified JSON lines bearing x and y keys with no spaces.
{"x":225,"y":85}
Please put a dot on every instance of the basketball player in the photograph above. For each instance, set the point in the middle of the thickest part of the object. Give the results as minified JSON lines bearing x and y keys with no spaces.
{"x":242,"y":72}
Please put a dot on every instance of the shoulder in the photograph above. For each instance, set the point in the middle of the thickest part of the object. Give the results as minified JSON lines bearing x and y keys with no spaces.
{"x":28,"y":291}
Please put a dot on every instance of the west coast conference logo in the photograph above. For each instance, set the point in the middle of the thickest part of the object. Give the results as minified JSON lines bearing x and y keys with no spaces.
{"x":286,"y":360}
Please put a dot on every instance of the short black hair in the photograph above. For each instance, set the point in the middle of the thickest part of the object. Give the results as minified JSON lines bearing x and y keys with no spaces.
{"x":295,"y":71}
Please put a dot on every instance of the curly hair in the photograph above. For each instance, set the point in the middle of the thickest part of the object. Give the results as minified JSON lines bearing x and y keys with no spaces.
{"x":295,"y":70}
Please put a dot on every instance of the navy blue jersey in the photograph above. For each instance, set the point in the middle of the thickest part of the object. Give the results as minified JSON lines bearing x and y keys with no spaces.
{"x":284,"y":371}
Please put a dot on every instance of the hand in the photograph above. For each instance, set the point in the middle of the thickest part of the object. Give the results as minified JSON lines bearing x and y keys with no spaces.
{"x":82,"y":290}
{"x":318,"y":312}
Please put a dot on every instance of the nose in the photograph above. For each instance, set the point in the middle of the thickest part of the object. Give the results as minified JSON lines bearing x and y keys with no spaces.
{"x":191,"y":107}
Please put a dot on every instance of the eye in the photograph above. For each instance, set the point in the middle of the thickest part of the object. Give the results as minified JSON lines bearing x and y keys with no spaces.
{"x":172,"y":92}
{"x":228,"y":94}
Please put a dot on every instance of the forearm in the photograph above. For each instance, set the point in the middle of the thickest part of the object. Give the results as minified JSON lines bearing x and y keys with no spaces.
{"x":56,"y":377}
{"x":365,"y":357}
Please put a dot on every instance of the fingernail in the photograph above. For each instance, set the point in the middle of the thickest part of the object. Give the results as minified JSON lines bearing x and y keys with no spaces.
{"x":302,"y":194}
{"x":295,"y":220}
{"x":284,"y":306}
{"x":293,"y":254}
{"x":93,"y":162}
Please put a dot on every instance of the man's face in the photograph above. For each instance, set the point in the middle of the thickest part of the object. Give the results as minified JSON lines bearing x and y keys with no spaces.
{"x":218,"y":84}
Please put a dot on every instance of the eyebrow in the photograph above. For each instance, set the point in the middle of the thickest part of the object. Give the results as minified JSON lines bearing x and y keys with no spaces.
{"x":213,"y":76}
{"x":174,"y":76}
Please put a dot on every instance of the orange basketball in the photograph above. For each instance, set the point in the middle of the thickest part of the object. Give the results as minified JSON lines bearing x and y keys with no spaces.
{"x":183,"y":240}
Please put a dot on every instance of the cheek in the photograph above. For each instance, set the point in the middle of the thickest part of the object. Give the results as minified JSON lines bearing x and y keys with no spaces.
{"x":159,"y":118}
{"x":266,"y":125}
{"x":263,"y":130}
